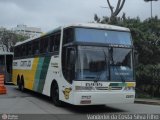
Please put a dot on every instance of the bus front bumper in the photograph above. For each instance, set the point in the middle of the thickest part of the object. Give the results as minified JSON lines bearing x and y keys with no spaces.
{"x":101,"y":98}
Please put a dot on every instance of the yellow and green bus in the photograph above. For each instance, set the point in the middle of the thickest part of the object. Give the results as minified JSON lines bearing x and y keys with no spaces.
{"x":80,"y":64}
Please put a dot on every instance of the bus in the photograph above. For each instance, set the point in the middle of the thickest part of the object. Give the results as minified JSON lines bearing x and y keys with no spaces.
{"x":6,"y":59}
{"x":79,"y":64}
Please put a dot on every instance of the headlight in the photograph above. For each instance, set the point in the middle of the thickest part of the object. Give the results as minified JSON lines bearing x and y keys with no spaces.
{"x":83,"y":88}
{"x":129,"y":88}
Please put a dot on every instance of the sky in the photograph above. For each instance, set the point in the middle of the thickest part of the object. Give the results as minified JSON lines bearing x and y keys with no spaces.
{"x":49,"y":14}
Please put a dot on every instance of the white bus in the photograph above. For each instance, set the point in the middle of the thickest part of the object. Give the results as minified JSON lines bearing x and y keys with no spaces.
{"x":80,"y":64}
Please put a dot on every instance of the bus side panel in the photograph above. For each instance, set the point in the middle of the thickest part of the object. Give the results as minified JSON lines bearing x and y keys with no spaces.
{"x":38,"y":73}
{"x":52,"y":74}
{"x":55,"y":73}
{"x":27,"y":71}
{"x":40,"y":81}
{"x":14,"y":76}
{"x":30,"y":76}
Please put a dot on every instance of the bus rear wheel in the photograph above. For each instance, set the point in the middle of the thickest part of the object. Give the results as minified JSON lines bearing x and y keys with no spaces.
{"x":21,"y":84}
{"x":55,"y":95}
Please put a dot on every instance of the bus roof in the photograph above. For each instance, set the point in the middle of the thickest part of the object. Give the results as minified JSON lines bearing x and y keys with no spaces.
{"x":98,"y":26}
{"x":85,"y":25}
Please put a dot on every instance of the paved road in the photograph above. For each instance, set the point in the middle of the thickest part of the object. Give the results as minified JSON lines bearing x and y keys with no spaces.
{"x":29,"y":102}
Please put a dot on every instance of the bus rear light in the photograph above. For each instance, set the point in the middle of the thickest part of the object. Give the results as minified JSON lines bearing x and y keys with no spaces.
{"x":83,"y":88}
{"x":85,"y":102}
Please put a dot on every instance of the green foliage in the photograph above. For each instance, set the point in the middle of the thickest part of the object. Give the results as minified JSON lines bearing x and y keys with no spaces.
{"x":9,"y":38}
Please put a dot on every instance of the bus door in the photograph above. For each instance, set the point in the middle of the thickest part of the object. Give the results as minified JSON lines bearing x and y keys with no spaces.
{"x":6,"y":67}
{"x":8,"y":72}
{"x":2,"y":64}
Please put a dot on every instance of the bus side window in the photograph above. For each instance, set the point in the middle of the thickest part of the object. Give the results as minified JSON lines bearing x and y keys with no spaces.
{"x":29,"y":49}
{"x":15,"y":52}
{"x":23,"y":50}
{"x":20,"y":51}
{"x":57,"y":42}
{"x":44,"y":45}
{"x":54,"y":43}
{"x":68,"y":35}
{"x":51,"y":48}
{"x":35,"y":47}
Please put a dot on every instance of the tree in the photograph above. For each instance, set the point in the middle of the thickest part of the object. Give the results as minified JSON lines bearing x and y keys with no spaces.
{"x":115,"y":12}
{"x":9,"y":38}
{"x":96,"y":18}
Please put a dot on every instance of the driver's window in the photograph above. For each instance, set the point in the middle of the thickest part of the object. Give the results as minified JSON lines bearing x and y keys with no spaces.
{"x":70,"y":64}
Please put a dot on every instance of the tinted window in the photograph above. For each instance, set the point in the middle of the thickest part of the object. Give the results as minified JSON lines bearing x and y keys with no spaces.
{"x":52,"y":38}
{"x":28,"y":49}
{"x":68,"y":35}
{"x":44,"y":45}
{"x":35,"y":47}
{"x":17,"y":51}
{"x":57,"y":42}
{"x":2,"y":60}
{"x":54,"y":43}
{"x":23,"y":50}
{"x":102,"y":36}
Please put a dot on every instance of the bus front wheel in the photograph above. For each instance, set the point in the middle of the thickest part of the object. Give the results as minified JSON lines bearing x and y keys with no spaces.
{"x":55,"y":95}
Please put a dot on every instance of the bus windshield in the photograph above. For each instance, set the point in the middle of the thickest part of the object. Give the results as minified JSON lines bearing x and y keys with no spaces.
{"x":92,"y":63}
{"x":102,"y":36}
{"x":104,"y":64}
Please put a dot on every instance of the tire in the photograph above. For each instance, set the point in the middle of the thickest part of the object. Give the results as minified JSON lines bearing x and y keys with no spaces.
{"x":21,"y":84}
{"x":18,"y":82}
{"x":55,"y":95}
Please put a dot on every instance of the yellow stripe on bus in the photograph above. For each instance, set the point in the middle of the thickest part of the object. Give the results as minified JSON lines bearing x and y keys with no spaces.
{"x":28,"y":75}
{"x":31,"y":74}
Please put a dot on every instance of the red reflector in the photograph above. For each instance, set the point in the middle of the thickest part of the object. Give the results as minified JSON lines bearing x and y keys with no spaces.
{"x":85,"y":102}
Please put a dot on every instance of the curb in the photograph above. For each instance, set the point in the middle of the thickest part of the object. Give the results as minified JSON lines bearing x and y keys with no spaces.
{"x":147,"y":102}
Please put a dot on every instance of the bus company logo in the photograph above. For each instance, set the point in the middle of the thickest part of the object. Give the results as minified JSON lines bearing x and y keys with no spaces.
{"x":66,"y":93}
{"x":96,"y":84}
{"x":4,"y":116}
{"x":25,"y":64}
